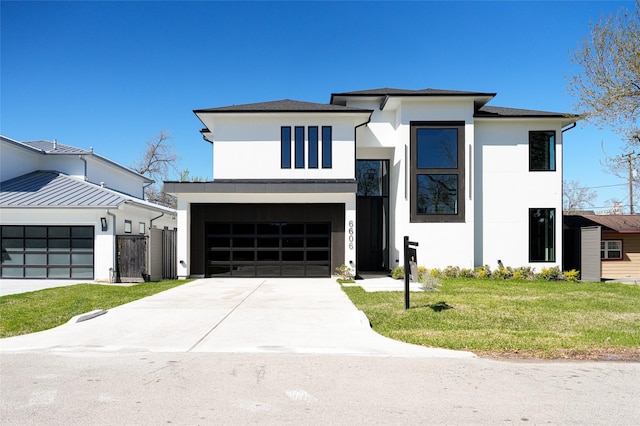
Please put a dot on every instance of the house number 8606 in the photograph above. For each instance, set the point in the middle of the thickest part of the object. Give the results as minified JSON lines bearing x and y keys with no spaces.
{"x":351,"y":231}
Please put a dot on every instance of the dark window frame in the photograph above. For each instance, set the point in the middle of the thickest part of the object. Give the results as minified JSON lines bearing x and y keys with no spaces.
{"x":285,"y":147}
{"x":459,"y":171}
{"x":312,"y":136}
{"x":547,"y":160}
{"x":299,"y":147}
{"x":535,"y":253}
{"x":327,"y":147}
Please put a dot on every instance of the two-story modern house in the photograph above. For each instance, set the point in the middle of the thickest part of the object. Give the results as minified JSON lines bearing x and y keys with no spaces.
{"x":301,"y":188}
{"x":70,"y":213}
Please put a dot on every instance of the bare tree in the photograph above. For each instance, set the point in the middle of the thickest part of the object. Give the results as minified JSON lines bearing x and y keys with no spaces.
{"x":608,"y":88}
{"x":576,"y":197}
{"x":625,"y":167}
{"x":158,"y":160}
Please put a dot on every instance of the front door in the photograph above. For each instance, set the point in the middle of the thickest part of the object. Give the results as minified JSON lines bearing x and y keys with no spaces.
{"x":372,"y":209}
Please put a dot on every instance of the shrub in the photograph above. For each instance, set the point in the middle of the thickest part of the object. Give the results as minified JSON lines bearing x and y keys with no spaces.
{"x":435,"y":272}
{"x":572,"y":276}
{"x":344,"y":272}
{"x":466,"y":273}
{"x":550,"y":274}
{"x":451,"y":272}
{"x":397,"y":273}
{"x":502,"y":274}
{"x":523,"y":273}
{"x":430,"y":283}
{"x":483,"y":271}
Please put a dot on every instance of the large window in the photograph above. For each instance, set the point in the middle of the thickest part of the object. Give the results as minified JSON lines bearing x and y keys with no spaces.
{"x":542,"y":235}
{"x":285,"y":147}
{"x":437,"y":172}
{"x":611,"y":250}
{"x":542,"y":150}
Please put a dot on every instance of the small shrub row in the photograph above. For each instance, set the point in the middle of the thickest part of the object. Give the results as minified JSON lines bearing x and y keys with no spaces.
{"x":485,"y":272}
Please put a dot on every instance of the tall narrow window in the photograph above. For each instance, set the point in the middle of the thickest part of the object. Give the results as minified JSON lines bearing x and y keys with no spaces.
{"x":285,"y":147}
{"x":326,"y":147}
{"x":542,"y":235}
{"x":437,"y":172}
{"x":542,"y":150}
{"x":313,"y":147}
{"x":299,"y":147}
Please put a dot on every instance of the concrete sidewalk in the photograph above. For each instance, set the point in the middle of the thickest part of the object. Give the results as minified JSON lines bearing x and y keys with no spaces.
{"x":254,"y":315}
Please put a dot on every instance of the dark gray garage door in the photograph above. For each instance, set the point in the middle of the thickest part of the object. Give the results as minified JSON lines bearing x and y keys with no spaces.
{"x":47,"y":252}
{"x":268,"y":249}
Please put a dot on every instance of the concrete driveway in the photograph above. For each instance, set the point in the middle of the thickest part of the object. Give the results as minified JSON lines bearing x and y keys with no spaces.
{"x":253,"y":315}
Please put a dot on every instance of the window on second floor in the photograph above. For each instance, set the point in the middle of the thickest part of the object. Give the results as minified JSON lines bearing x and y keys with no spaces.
{"x":285,"y":147}
{"x":542,"y":150}
{"x":306,"y":149}
{"x":611,"y":249}
{"x":437,"y":172}
{"x":313,"y":147}
{"x":299,"y":147}
{"x":327,"y":148}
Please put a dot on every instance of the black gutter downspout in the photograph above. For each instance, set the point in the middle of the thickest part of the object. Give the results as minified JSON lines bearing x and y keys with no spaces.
{"x":114,"y":278}
{"x":151,"y":221}
{"x":574,"y":124}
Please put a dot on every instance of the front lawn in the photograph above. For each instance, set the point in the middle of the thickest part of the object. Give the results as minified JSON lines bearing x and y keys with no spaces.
{"x":513,"y":318}
{"x":40,"y":310}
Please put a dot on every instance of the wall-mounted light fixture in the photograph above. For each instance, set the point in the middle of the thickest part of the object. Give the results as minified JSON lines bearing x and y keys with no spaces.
{"x":103,"y":223}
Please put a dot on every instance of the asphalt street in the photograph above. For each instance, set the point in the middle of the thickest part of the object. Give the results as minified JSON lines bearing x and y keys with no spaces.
{"x":283,"y":351}
{"x":96,"y":388}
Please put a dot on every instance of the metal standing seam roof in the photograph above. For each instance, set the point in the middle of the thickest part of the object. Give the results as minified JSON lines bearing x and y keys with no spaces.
{"x":56,"y":148}
{"x":54,"y":189}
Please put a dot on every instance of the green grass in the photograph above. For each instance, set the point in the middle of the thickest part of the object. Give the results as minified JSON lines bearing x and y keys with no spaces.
{"x":40,"y":310}
{"x":522,"y":318}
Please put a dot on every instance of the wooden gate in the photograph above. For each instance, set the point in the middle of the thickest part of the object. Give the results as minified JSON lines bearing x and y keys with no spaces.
{"x":132,"y":258}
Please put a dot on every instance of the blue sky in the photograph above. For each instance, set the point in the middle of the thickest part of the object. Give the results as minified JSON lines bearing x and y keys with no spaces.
{"x":113,"y":74}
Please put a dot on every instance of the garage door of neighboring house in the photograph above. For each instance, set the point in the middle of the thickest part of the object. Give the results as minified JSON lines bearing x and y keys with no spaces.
{"x":53,"y":252}
{"x":268,"y":249}
{"x":132,"y":258}
{"x":590,"y":263}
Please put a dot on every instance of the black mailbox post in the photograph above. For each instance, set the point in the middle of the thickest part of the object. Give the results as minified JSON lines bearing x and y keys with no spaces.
{"x":410,"y":255}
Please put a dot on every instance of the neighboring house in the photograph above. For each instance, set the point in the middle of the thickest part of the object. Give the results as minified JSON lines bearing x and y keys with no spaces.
{"x":69,"y":213}
{"x":612,"y":253}
{"x":301,"y":188}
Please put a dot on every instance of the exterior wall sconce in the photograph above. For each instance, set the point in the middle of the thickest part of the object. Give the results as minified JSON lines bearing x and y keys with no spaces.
{"x":103,"y":223}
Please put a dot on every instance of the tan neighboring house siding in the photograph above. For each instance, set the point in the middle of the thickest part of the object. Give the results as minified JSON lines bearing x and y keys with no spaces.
{"x":629,"y":265}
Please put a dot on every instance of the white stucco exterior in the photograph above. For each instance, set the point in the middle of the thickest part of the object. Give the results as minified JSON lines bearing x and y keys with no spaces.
{"x":495,"y":199}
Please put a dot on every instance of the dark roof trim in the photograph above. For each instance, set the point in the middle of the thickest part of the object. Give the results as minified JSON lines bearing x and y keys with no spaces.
{"x":503,"y":112}
{"x":263,"y":186}
{"x":389,"y":92}
{"x":284,"y":105}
